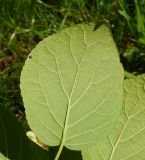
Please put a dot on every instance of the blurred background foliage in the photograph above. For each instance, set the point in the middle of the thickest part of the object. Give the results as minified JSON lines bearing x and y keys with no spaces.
{"x":23,"y":23}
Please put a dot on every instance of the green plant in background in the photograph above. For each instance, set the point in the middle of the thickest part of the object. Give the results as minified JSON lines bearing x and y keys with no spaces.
{"x":133,"y":55}
{"x":135,"y":19}
{"x":140,"y":21}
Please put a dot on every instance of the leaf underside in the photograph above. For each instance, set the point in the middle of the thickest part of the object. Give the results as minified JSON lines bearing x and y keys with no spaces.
{"x":127,"y":139}
{"x":72,"y":87}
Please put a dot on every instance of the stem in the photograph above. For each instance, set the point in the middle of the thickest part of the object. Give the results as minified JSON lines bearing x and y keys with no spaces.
{"x":63,"y":136}
{"x":59,"y":151}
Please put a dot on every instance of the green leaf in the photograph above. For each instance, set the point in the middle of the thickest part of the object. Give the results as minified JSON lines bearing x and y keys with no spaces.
{"x":72,"y":86}
{"x":14,"y":143}
{"x":127,"y":139}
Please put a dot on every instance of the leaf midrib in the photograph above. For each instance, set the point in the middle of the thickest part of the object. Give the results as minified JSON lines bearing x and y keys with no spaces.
{"x":69,"y":100}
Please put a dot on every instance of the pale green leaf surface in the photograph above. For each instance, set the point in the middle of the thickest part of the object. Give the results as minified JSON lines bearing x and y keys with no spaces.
{"x":127,"y":140}
{"x":72,"y":86}
{"x":2,"y":157}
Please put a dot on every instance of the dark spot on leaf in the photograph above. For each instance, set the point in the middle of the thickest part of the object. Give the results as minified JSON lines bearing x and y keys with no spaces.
{"x":30,"y":56}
